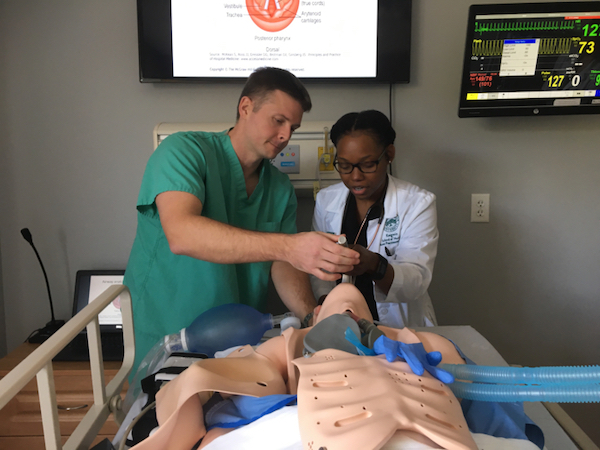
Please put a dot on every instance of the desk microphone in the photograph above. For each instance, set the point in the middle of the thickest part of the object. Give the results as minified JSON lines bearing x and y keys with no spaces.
{"x":41,"y":334}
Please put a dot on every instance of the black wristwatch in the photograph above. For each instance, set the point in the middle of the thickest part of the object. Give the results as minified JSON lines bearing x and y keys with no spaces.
{"x":381,"y":269}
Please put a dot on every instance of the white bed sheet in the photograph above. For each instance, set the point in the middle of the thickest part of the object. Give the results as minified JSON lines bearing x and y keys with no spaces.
{"x":279,"y":431}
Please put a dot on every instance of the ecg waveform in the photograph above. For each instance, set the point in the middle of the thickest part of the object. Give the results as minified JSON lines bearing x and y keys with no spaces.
{"x":524,"y":26}
{"x":548,"y":46}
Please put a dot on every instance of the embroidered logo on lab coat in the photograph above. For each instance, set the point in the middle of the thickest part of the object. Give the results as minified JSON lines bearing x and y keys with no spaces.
{"x":391,"y":231}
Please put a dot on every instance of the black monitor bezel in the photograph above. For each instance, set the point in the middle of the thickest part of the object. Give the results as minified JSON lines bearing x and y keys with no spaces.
{"x":494,"y":108}
{"x":82,"y":291}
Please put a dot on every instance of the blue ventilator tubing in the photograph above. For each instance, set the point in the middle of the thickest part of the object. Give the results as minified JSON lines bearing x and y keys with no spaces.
{"x":526,"y":384}
{"x":558,"y":393}
{"x":524,"y":375}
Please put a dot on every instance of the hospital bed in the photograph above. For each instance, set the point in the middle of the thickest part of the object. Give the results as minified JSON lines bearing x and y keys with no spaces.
{"x":107,"y":397}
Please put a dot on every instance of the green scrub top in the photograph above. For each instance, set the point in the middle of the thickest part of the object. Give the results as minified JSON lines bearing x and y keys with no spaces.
{"x":169,"y":291}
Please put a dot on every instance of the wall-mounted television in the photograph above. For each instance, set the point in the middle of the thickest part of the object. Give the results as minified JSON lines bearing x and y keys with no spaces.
{"x":318,"y":40}
{"x":531,"y":59}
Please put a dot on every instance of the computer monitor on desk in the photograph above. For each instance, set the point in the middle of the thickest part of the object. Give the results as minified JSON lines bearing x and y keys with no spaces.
{"x":89,"y":284}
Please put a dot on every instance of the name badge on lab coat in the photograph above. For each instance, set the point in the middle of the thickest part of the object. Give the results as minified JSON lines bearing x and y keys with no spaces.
{"x":391,"y":231}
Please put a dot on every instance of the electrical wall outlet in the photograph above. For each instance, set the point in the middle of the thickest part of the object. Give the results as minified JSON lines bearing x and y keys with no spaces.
{"x":480,"y":207}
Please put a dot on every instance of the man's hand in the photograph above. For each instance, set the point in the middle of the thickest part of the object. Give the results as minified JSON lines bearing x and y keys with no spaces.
{"x":318,"y":253}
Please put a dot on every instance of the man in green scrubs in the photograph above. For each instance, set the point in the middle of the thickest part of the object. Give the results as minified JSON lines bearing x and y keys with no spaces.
{"x":215,"y":219}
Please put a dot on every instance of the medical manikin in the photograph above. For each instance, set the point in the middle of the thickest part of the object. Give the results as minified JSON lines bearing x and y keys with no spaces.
{"x":345,"y":400}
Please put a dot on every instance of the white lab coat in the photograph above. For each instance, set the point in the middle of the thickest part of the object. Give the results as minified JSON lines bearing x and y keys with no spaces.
{"x":409,"y":232}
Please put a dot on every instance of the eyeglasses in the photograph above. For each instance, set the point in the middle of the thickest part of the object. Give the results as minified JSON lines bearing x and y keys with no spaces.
{"x":365,"y":166}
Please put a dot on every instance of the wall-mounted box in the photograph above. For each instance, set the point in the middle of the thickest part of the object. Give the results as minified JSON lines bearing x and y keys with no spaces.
{"x":300,"y":159}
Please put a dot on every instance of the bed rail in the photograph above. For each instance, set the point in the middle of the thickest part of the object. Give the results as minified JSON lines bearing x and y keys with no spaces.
{"x":38,"y":364}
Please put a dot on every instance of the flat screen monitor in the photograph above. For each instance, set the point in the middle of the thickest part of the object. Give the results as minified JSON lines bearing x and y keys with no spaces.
{"x":89,"y":284}
{"x":531,"y":59}
{"x":317,"y":40}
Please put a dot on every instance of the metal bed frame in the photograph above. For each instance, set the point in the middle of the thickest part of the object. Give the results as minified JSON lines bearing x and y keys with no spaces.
{"x":563,"y":430}
{"x":107,"y":397}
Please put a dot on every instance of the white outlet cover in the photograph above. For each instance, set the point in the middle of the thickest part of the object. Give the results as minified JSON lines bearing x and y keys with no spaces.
{"x":480,"y":207}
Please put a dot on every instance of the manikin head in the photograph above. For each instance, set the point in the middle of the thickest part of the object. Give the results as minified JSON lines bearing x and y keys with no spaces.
{"x":344,"y":297}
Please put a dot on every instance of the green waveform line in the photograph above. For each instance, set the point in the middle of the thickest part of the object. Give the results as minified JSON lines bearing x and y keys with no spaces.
{"x":524,"y":26}
{"x":548,"y":46}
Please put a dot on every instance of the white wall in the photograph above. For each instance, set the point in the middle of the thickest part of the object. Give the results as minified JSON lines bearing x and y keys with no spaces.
{"x":76,"y":133}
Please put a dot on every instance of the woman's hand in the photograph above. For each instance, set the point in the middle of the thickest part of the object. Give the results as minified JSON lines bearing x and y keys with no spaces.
{"x":368,"y":261}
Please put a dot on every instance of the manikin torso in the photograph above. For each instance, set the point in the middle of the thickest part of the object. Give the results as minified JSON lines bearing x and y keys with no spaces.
{"x":343,"y":399}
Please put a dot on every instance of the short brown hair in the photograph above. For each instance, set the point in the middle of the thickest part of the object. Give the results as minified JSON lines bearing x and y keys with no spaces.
{"x":265,"y":80}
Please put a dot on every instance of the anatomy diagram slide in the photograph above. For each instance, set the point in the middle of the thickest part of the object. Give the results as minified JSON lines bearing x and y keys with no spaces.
{"x":111,"y":315}
{"x":310,"y":38}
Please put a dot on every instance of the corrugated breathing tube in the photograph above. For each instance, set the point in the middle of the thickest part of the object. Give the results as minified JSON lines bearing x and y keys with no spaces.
{"x":526,"y":384}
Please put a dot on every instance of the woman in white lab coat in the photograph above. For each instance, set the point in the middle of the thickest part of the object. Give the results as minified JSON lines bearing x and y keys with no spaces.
{"x":390,"y":222}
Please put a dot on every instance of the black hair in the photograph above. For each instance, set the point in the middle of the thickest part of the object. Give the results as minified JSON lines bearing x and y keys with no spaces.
{"x":265,"y":80}
{"x":371,"y":122}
